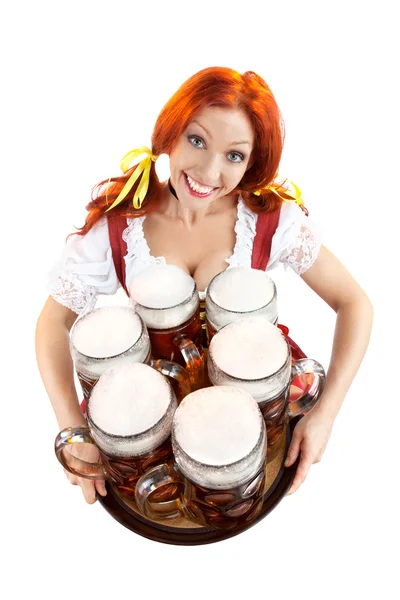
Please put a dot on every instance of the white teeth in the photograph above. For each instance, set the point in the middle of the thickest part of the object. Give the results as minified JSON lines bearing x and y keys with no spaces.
{"x":200,"y":189}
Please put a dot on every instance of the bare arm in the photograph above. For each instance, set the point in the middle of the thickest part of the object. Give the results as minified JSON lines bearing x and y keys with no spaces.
{"x":334,"y":284}
{"x":57,"y":371}
{"x":55,"y":362}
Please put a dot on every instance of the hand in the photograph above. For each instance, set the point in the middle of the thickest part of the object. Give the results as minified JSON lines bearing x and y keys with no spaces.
{"x":310,"y":436}
{"x":89,"y":453}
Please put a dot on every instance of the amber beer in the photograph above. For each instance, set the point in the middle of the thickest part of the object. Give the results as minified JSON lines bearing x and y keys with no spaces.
{"x":219,"y":445}
{"x":167,"y":299}
{"x":112,"y":336}
{"x":239,"y":292}
{"x":129,"y":416}
{"x":253,"y":355}
{"x":106,"y":337}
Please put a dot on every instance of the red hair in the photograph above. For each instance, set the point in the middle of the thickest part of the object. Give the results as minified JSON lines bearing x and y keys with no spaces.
{"x":214,"y":86}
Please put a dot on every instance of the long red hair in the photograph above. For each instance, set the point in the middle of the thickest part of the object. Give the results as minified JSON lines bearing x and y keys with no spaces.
{"x":214,"y":86}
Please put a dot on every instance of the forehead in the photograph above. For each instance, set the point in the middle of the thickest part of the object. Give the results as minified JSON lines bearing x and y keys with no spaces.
{"x":226,"y":124}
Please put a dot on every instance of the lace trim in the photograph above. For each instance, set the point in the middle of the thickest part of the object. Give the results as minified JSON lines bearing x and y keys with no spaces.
{"x":302,"y":255}
{"x":133,"y":225}
{"x":72,"y":293}
{"x":245,"y":229}
{"x":138,"y":248}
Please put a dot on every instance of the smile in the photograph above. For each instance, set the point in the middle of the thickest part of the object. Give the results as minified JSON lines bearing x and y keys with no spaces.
{"x":200,"y":191}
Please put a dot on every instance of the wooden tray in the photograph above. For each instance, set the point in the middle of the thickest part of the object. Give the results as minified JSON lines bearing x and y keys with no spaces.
{"x":183,"y":532}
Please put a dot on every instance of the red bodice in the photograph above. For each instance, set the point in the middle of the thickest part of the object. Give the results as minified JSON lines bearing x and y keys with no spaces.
{"x":265,"y":229}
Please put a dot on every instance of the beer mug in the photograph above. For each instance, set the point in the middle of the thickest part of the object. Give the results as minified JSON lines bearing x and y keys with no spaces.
{"x":129,"y":415}
{"x":239,"y":292}
{"x":167,"y":299}
{"x":111,"y":336}
{"x":254,"y":355}
{"x":218,"y":477}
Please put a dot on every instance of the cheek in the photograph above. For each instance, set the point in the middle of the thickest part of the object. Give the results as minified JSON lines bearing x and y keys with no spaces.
{"x":236,"y":177}
{"x":179,"y":160}
{"x":176,"y":154}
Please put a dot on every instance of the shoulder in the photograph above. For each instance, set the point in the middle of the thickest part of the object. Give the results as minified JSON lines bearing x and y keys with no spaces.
{"x":95,"y":241}
{"x":290,"y":213}
{"x":292,"y":219}
{"x":281,"y":224}
{"x":84,"y":270}
{"x":296,"y":241}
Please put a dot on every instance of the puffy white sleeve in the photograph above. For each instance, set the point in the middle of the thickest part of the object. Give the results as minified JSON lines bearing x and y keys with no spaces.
{"x":85,"y":270}
{"x":296,"y":242}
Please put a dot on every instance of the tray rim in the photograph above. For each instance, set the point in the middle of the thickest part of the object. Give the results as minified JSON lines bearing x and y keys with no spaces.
{"x":201,"y":535}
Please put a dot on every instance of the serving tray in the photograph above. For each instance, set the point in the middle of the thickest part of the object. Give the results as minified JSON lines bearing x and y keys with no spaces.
{"x":181,"y":531}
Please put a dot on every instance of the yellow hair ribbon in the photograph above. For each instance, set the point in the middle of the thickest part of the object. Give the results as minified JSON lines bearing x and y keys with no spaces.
{"x":294,"y":196}
{"x":143,"y":168}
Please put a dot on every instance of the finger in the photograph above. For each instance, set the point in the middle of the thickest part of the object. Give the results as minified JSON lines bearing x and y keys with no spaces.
{"x":71,"y":478}
{"x":100,"y":486}
{"x":88,"y":490}
{"x":294,"y":449}
{"x":301,"y":473}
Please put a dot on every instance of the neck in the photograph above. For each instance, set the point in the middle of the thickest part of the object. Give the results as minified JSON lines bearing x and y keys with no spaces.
{"x":172,"y":207}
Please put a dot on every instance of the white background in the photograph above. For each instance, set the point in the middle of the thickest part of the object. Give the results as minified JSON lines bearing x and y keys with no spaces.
{"x":83,"y":83}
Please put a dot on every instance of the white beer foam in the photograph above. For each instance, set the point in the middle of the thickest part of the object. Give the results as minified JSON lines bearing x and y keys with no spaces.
{"x":106,"y":331}
{"x":249,"y":348}
{"x":168,"y":289}
{"x":127,"y":401}
{"x":161,"y":286}
{"x":93,"y":370}
{"x":242,"y":289}
{"x":240,"y":292}
{"x":217,"y":425}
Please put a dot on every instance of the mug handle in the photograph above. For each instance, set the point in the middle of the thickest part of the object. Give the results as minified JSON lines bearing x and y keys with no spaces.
{"x":306,"y":402}
{"x":193,"y":359}
{"x":172,"y":369}
{"x":77,"y":466}
{"x":161,"y":506}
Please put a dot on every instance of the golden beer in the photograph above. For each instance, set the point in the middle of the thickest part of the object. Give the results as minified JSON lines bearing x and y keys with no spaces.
{"x":219,"y":446}
{"x":167,"y":299}
{"x":254,"y":355}
{"x":129,"y":416}
{"x":107,"y":337}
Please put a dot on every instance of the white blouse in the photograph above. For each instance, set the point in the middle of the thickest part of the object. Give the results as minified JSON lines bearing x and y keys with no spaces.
{"x":86,"y":267}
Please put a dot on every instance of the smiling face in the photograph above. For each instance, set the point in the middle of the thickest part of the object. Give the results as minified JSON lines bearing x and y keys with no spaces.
{"x":211,"y":156}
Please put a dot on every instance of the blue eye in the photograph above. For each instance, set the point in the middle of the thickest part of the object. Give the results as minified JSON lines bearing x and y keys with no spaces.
{"x":241,"y":157}
{"x":193,"y":138}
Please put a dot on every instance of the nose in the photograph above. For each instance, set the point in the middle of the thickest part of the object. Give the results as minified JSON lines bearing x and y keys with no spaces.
{"x":211,"y":171}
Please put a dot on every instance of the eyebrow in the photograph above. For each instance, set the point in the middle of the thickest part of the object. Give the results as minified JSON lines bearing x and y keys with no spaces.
{"x":209,"y":135}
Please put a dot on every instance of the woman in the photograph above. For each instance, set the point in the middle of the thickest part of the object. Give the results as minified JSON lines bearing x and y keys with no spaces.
{"x":223,"y":205}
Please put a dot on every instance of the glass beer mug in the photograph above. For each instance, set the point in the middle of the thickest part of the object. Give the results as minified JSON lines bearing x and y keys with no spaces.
{"x":218,"y":477}
{"x":167,"y":299}
{"x":129,"y":415}
{"x":111,"y":336}
{"x":254,"y":355}
{"x":239,"y":292}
